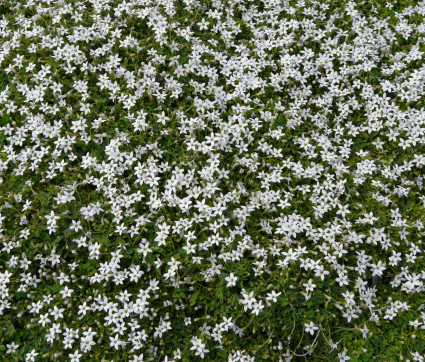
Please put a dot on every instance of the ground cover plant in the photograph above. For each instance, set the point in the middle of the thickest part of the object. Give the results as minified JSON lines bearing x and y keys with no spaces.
{"x":229,"y":180}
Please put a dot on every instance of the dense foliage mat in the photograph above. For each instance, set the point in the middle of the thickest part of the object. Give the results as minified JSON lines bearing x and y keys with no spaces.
{"x":223,"y":180}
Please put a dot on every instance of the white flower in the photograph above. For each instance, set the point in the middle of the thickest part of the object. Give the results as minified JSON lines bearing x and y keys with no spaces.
{"x":309,"y":285}
{"x":75,"y":357}
{"x":273,"y":296}
{"x":231,"y":280}
{"x":257,"y":308}
{"x":31,"y":355}
{"x":51,"y":218}
{"x":343,"y":356}
{"x":310,"y":328}
{"x":12,"y":347}
{"x":378,"y":268}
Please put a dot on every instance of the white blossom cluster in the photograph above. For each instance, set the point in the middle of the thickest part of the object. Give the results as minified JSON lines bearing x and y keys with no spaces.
{"x":227,"y":180}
